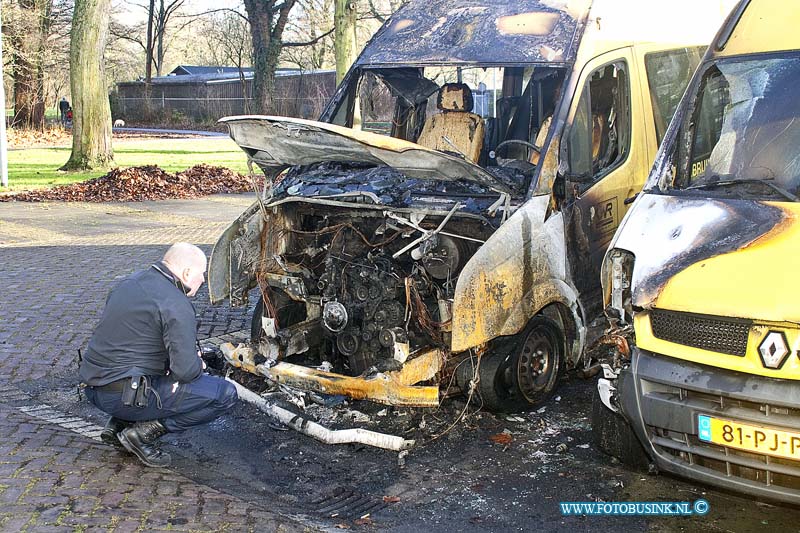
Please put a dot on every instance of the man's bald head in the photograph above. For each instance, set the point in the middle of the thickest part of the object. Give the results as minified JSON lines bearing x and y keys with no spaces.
{"x":188,"y":263}
{"x":184,"y":254}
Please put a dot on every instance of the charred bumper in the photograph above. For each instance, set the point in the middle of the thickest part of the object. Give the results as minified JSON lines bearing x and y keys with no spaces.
{"x":662,"y":398}
{"x":391,"y":388}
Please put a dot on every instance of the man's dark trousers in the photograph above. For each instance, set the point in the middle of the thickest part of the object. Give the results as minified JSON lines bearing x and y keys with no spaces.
{"x":182,"y":405}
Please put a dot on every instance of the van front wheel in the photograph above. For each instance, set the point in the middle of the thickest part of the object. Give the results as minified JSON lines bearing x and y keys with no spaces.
{"x":614,"y":436}
{"x":522,"y":371}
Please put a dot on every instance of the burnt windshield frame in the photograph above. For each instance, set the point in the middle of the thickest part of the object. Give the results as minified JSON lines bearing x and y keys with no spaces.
{"x":675,"y":167}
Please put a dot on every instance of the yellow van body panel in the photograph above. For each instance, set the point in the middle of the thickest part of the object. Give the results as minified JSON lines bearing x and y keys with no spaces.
{"x":614,"y":24}
{"x":763,"y":274}
{"x":765,"y":26}
{"x":711,"y":282}
{"x":719,"y":285}
{"x":494,"y":296}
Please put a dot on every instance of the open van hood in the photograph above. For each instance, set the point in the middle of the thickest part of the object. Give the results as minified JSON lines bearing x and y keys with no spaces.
{"x":275,"y":143}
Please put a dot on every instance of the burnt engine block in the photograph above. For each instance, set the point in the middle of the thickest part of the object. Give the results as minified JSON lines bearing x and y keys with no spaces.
{"x":363,"y":310}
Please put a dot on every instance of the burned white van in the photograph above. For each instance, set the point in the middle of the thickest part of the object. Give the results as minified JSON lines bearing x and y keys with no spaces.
{"x":443,"y":223}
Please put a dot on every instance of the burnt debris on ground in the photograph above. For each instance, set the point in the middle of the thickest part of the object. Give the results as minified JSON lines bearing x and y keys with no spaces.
{"x":149,"y":182}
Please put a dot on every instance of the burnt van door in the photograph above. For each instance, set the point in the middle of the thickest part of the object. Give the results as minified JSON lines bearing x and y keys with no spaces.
{"x":603,"y":149}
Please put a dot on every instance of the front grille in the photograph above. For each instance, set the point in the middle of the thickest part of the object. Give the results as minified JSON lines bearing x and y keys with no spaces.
{"x":756,"y":468}
{"x":716,"y":334}
{"x":724,"y":402}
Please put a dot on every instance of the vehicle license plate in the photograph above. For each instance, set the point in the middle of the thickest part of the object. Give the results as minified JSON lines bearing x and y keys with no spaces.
{"x":757,"y":439}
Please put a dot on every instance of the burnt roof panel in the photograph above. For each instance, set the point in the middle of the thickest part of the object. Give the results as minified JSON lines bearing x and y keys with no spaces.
{"x":479,"y":31}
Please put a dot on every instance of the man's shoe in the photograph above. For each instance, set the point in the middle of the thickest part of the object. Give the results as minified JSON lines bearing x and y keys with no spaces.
{"x":139,"y":439}
{"x":109,"y":434}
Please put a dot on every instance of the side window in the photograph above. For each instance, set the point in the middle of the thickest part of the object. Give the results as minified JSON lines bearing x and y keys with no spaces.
{"x":668,"y":74}
{"x":599,"y":138}
{"x":375,"y":105}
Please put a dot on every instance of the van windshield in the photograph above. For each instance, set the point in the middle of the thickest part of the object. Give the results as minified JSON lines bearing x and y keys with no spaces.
{"x":742,"y":136}
{"x":496,"y":117}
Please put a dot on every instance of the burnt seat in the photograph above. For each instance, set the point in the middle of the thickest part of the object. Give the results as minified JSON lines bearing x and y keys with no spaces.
{"x":465,"y":130}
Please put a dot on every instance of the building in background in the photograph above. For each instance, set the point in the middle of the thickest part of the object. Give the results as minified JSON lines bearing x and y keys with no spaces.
{"x":202,"y":93}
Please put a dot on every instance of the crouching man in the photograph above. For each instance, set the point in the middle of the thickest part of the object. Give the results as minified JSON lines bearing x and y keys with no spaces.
{"x":142,"y":365}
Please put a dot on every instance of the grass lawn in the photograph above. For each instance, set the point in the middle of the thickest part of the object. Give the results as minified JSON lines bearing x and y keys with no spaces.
{"x":49,"y":112}
{"x":38,"y":167}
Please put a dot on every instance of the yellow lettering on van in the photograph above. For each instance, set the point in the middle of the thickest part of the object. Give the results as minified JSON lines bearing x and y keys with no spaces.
{"x":699,"y":167}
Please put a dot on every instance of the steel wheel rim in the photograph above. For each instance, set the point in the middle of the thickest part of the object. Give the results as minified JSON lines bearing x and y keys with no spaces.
{"x":535,"y":363}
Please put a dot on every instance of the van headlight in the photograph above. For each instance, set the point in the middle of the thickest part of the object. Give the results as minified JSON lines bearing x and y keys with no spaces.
{"x":618,"y":272}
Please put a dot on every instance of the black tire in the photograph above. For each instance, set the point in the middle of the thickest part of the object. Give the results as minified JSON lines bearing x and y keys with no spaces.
{"x":614,"y":436}
{"x":511,"y":380}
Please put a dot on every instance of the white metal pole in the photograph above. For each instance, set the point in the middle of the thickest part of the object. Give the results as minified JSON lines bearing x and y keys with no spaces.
{"x":3,"y":145}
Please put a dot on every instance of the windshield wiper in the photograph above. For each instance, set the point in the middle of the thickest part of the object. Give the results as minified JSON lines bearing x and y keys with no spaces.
{"x":710,"y":185}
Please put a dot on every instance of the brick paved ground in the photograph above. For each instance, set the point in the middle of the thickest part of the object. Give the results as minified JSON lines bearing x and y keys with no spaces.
{"x":52,"y":479}
{"x":57,"y":263}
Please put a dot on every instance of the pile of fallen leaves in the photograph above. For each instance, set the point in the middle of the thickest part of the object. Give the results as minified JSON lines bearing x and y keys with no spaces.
{"x":57,"y":136}
{"x":143,"y":183}
{"x":23,"y":138}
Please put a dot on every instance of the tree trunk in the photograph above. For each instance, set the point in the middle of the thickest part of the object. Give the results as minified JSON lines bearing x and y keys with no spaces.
{"x":28,"y":65}
{"x":260,"y":15}
{"x":28,"y":93}
{"x":148,"y":63}
{"x":148,"y":52}
{"x":161,"y":28}
{"x":91,"y":125}
{"x":267,"y":22}
{"x":344,"y":20}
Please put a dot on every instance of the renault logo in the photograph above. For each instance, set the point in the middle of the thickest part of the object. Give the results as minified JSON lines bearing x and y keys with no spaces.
{"x":774,"y":349}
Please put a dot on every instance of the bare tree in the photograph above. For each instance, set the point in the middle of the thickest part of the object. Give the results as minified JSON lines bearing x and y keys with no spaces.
{"x":36,"y":41}
{"x":153,"y":36}
{"x":226,"y":41}
{"x":313,"y":20}
{"x":91,"y":130}
{"x":123,"y":60}
{"x":161,"y":18}
{"x":311,"y":37}
{"x":148,"y":49}
{"x":380,"y":10}
{"x":26,"y":23}
{"x":55,"y":59}
{"x":268,"y":19}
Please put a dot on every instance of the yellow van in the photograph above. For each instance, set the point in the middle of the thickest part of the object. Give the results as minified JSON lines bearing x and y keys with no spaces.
{"x":704,"y":268}
{"x":444,"y":221}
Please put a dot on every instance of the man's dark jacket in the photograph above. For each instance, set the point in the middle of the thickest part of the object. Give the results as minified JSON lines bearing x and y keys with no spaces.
{"x":148,"y":328}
